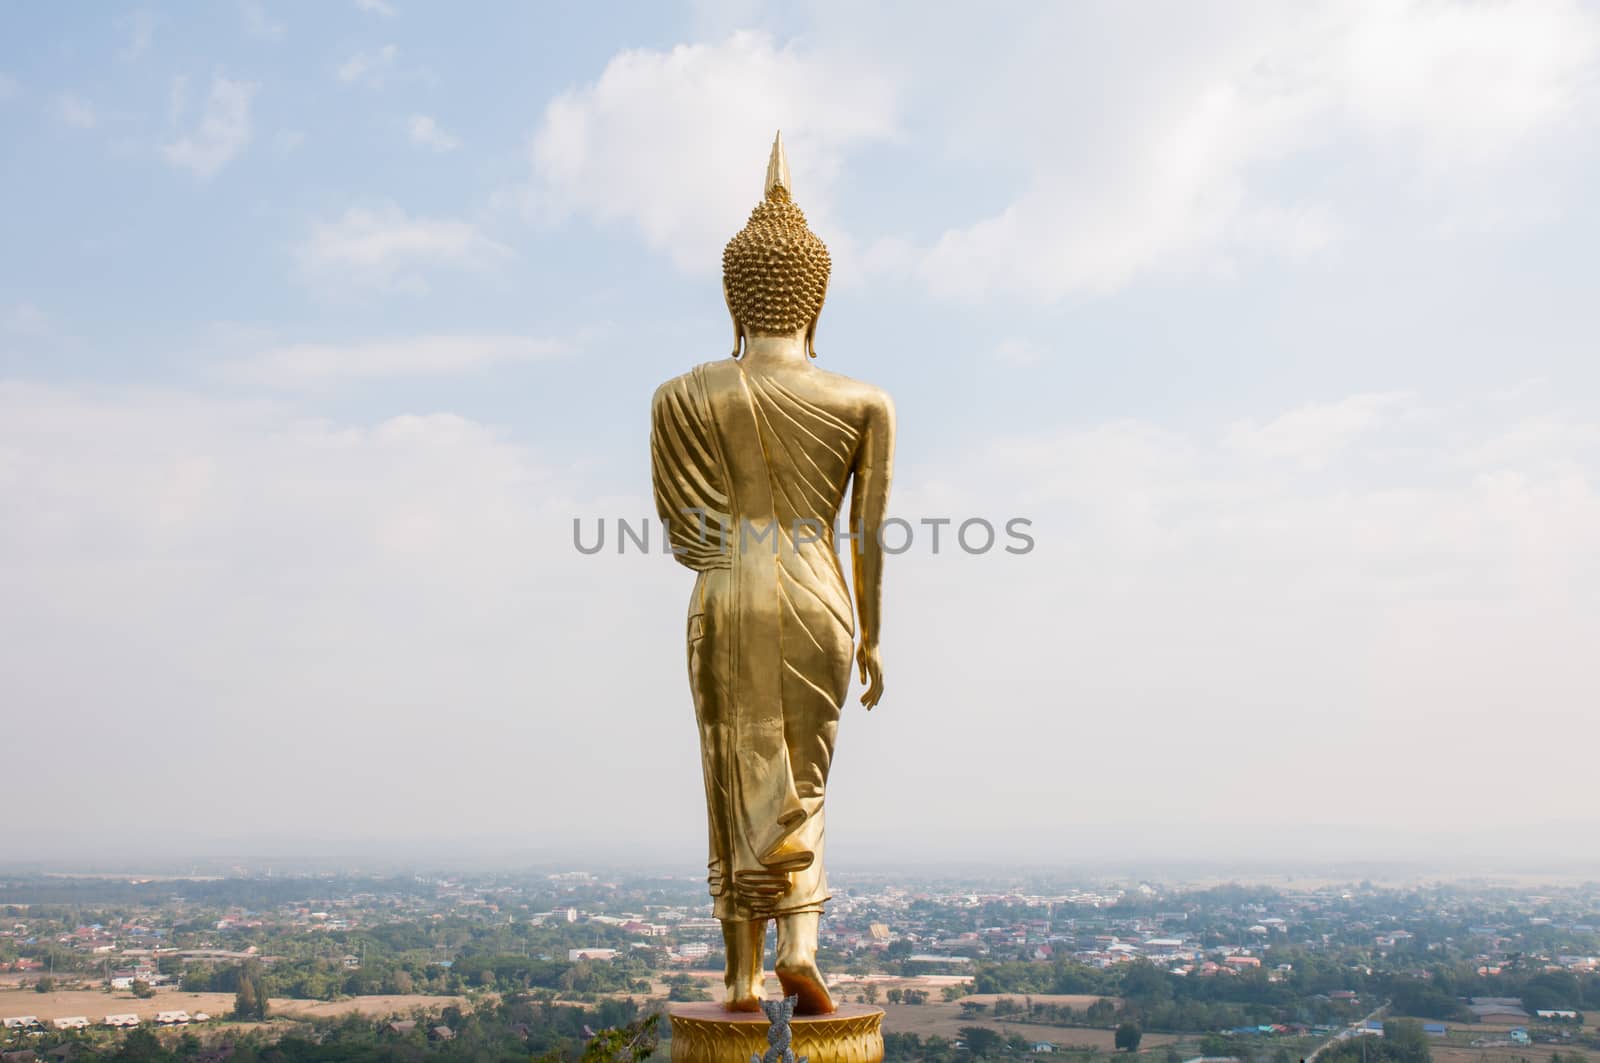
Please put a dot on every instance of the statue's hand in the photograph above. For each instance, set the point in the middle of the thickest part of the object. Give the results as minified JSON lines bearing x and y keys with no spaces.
{"x":871,"y":665}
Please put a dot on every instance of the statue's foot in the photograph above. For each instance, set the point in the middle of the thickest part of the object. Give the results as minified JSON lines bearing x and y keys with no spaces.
{"x":797,"y":963}
{"x":742,"y":980}
{"x":801,"y":978}
{"x":748,"y":1002}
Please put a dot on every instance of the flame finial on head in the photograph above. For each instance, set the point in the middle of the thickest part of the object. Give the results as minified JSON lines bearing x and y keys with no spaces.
{"x":777,"y":169}
{"x":775,"y":269}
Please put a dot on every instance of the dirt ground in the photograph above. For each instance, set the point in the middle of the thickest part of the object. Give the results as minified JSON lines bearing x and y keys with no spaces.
{"x":1074,"y":1000}
{"x":372,"y":1007}
{"x":946,"y":1019}
{"x":1509,"y":1054}
{"x":96,"y":1005}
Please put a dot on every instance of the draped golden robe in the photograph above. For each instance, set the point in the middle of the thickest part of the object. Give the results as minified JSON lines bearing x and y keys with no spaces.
{"x":749,"y":476}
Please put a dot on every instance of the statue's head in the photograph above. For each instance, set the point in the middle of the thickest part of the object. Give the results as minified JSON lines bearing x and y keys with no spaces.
{"x":775,"y":271}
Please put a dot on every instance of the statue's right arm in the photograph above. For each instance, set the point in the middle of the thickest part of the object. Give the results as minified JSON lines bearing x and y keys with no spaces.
{"x":869,"y":504}
{"x":672,"y":504}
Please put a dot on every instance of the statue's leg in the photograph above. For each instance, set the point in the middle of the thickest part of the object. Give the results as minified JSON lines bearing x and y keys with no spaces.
{"x":742,"y":939}
{"x":797,"y":963}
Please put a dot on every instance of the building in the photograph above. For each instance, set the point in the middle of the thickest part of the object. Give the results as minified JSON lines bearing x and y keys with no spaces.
{"x":172,"y":1018}
{"x":120,"y":1022}
{"x":1498,"y":1009}
{"x":574,"y":955}
{"x":74,"y":1022}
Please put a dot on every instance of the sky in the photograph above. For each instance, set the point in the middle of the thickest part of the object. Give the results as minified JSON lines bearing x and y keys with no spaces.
{"x":322,"y":323}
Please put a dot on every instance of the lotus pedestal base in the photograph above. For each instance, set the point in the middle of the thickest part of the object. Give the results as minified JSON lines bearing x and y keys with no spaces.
{"x":705,"y":1033}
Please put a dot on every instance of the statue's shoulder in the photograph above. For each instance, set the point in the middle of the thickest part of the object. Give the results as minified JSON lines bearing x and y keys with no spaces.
{"x":868,"y":398}
{"x":684,"y":384}
{"x":705,"y":372}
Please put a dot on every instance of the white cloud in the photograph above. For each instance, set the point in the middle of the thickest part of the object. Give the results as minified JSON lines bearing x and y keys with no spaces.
{"x":385,"y":248}
{"x":1432,"y":573}
{"x":369,"y":68}
{"x":223,"y":132}
{"x":1314,"y":434}
{"x":223,"y":563}
{"x":1464,"y":83}
{"x":426,"y":132}
{"x":9,"y":89}
{"x":312,"y":365}
{"x":376,"y":7}
{"x":675,"y":142}
{"x":1163,"y":159}
{"x":227,"y":561}
{"x":257,"y":22}
{"x":75,"y":112}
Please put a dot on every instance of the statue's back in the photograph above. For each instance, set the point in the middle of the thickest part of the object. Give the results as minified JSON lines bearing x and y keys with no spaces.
{"x":751,"y":457}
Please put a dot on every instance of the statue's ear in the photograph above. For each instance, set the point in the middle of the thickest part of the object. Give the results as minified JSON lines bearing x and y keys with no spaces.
{"x":738,"y":329}
{"x":811,"y":329}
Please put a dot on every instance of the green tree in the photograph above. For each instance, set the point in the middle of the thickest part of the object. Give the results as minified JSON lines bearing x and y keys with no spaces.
{"x":142,"y":989}
{"x":1404,"y":1041}
{"x":142,"y":1046}
{"x":982,"y":1042}
{"x":624,"y":1044}
{"x":691,"y":991}
{"x":1128,"y":1037}
{"x":249,"y":994}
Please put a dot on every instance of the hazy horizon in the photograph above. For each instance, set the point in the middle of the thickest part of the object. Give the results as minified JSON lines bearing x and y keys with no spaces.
{"x":1319,"y":854}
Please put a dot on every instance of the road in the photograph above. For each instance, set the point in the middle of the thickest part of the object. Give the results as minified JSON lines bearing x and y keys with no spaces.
{"x":1348,"y":1032}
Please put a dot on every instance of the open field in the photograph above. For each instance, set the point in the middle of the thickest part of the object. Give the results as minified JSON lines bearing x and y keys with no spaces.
{"x":372,"y":1007}
{"x":1074,"y":1000}
{"x":97,"y":1005}
{"x":945,"y":1020}
{"x":1509,"y":1054}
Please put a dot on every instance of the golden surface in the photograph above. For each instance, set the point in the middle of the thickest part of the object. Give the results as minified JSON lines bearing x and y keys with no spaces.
{"x":775,"y":269}
{"x":704,"y":1033}
{"x":751,"y":457}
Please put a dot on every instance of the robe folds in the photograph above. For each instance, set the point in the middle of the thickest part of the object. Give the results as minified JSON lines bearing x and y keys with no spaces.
{"x":748,"y":477}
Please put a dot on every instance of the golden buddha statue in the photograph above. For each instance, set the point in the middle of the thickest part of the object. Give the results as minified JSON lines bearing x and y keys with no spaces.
{"x":750,"y":458}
